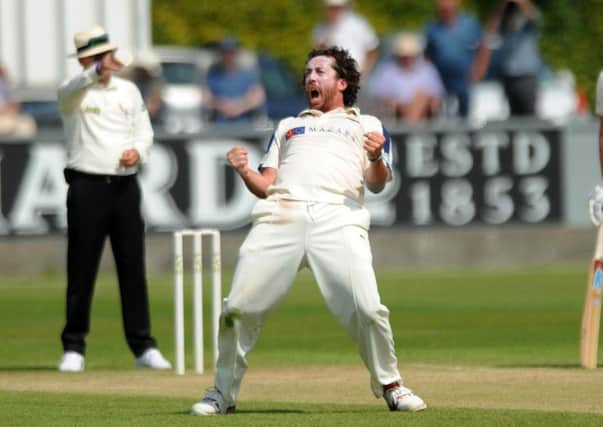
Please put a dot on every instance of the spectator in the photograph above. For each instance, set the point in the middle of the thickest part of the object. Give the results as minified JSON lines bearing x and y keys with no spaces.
{"x":346,"y":29}
{"x":408,"y":83}
{"x":233,"y":94}
{"x":145,"y":73}
{"x":12,"y":121}
{"x":453,"y":40}
{"x":513,"y":35}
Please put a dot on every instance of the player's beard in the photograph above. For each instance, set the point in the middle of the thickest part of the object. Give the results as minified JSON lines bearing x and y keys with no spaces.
{"x":322,"y":98}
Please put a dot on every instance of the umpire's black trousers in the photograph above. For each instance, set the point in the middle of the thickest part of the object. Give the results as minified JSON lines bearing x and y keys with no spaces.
{"x":99,"y":206}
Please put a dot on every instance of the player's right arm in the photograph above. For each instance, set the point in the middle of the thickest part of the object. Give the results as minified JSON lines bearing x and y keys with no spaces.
{"x":256,"y":182}
{"x":72,"y":90}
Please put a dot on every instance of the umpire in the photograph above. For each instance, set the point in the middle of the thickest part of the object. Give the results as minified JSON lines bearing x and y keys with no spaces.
{"x":108,"y":134}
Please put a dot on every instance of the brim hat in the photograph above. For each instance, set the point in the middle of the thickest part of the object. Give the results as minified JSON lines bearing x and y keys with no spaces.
{"x":92,"y":42}
{"x":408,"y":45}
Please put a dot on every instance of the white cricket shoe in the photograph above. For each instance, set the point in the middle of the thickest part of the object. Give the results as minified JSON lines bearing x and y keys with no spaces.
{"x":400,"y":398}
{"x":71,"y":361}
{"x":152,"y":359}
{"x":213,"y":403}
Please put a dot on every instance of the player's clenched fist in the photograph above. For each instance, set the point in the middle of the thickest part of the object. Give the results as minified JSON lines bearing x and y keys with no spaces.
{"x":238,"y":157}
{"x":373,"y":144}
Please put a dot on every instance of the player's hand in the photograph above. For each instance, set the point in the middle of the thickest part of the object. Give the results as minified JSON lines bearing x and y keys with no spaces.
{"x":129,"y":158}
{"x":238,"y":157}
{"x":595,"y":206}
{"x":373,"y":144}
{"x":108,"y":64}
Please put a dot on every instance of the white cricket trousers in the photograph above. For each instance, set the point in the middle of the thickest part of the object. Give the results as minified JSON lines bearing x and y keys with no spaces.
{"x":333,"y":240}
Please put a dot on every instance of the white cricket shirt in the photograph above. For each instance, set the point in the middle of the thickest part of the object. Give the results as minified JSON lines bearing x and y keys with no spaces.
{"x":320,"y":156}
{"x":101,"y":122}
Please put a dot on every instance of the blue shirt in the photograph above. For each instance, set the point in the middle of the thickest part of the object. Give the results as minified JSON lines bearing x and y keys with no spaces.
{"x":452,"y":49}
{"x":519,"y":53}
{"x":231,"y":85}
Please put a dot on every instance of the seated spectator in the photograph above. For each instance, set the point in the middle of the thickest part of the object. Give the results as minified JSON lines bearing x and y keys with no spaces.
{"x":408,"y":83}
{"x":233,"y":94}
{"x":513,"y":37}
{"x":12,"y":121}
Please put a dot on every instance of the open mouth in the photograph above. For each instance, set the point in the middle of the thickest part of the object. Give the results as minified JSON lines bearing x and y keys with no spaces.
{"x":313,"y":93}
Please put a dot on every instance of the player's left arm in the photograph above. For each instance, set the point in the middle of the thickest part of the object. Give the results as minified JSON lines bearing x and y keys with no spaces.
{"x":378,"y":172}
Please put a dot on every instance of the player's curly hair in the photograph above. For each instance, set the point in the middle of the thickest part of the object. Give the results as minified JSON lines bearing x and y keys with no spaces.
{"x":346,"y":68}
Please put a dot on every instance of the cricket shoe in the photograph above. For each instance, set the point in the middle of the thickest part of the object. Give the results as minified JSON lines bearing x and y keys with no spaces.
{"x":152,"y":359}
{"x":400,"y":398}
{"x":213,"y":403}
{"x":71,"y":361}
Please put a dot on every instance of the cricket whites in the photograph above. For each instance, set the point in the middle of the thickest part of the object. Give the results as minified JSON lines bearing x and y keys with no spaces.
{"x":592,"y":308}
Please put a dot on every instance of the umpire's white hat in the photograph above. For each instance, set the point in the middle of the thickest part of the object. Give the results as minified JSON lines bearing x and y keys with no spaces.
{"x":92,"y":42}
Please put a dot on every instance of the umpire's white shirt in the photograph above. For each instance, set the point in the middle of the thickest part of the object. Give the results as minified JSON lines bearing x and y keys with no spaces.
{"x":320,"y":156}
{"x":101,"y":122}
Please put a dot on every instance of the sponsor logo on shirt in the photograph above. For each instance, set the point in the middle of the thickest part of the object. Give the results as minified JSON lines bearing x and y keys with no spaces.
{"x":345,"y":132}
{"x":295,"y":131}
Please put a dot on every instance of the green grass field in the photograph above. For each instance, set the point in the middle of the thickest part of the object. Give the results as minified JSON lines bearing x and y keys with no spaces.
{"x":481,"y":347}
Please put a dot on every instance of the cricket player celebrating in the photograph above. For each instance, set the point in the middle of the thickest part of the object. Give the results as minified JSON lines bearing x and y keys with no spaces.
{"x":311,"y":184}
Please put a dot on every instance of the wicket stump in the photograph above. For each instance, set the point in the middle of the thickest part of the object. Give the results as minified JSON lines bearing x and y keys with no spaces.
{"x":197,"y":251}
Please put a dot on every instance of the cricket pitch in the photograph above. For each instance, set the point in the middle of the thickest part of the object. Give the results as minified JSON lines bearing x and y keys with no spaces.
{"x":557,"y":389}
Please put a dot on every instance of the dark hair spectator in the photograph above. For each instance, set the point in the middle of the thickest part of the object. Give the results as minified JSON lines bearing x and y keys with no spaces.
{"x":515,"y":57}
{"x":233,"y":94}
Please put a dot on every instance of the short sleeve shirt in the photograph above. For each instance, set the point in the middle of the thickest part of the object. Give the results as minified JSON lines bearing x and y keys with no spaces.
{"x":320,"y":156}
{"x":231,"y":85}
{"x":452,"y":48}
{"x":394,"y":82}
{"x":519,"y":53}
{"x":352,"y":33}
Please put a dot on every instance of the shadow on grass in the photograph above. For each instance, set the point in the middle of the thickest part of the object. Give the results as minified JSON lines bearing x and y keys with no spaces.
{"x":28,"y":368}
